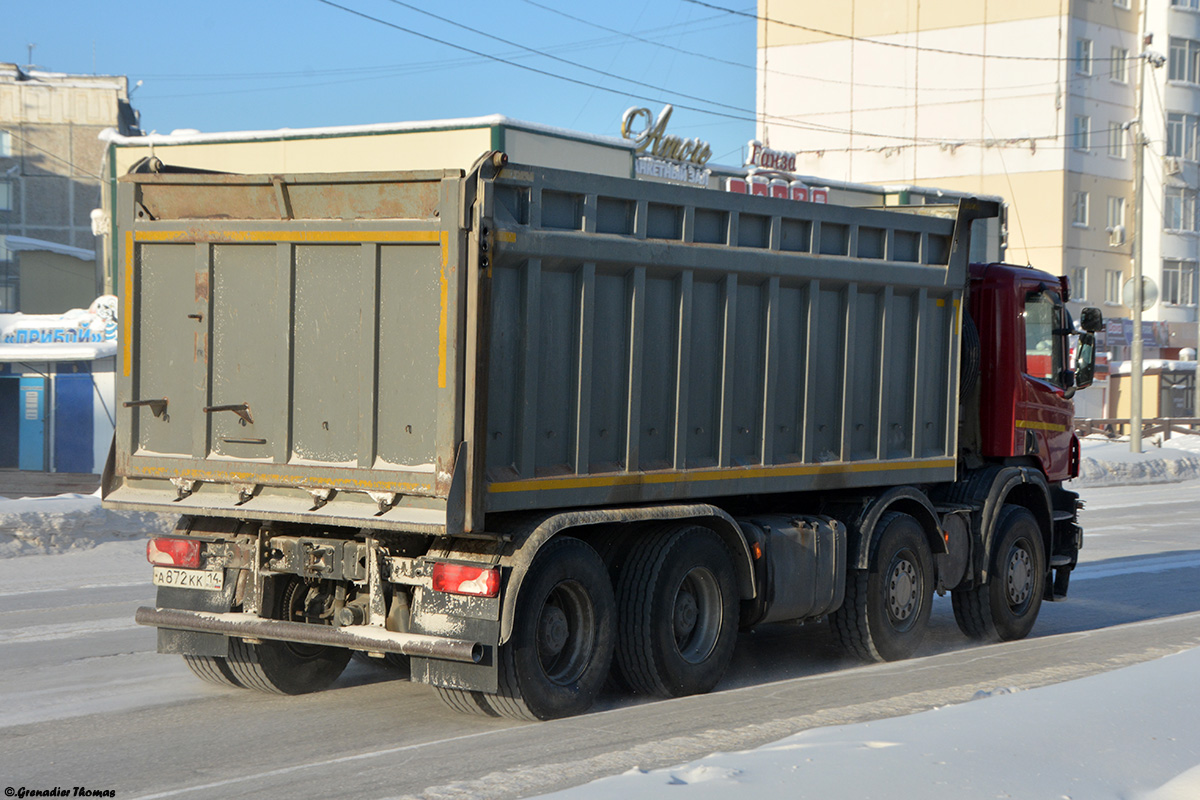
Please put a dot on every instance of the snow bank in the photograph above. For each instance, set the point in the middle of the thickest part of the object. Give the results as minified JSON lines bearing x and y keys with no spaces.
{"x":1121,"y":735}
{"x":35,"y":525}
{"x":74,"y":522}
{"x":1110,"y":463}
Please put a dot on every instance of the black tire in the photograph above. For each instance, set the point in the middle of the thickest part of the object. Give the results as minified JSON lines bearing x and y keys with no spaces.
{"x":561,"y":646}
{"x":677,"y":606}
{"x":886,"y":609}
{"x":1006,"y":608}
{"x":214,"y":669}
{"x":465,"y":702}
{"x":286,"y":667}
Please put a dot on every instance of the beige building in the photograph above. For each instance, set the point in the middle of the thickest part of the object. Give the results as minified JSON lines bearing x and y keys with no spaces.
{"x":50,"y":161}
{"x":1027,"y":99}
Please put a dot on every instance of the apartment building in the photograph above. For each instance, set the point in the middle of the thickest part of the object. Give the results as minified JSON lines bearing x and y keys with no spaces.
{"x":1028,"y":99}
{"x":50,"y":160}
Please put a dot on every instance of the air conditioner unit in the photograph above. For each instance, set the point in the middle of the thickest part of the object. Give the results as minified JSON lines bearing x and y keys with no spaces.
{"x":1171,"y":165}
{"x":1116,"y":236}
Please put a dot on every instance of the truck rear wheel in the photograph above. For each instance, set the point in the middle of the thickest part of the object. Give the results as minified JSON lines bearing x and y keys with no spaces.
{"x":561,"y":646}
{"x":678,"y":612}
{"x":214,"y":669}
{"x":886,"y":609}
{"x":287,"y":667}
{"x":1006,"y":608}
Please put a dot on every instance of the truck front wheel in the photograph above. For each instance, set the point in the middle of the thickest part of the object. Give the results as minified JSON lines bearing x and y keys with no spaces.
{"x":886,"y":609}
{"x":561,"y":646}
{"x":1007,"y":606}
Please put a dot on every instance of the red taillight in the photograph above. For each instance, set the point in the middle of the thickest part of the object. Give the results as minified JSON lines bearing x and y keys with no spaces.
{"x":174,"y":552}
{"x":459,"y":579}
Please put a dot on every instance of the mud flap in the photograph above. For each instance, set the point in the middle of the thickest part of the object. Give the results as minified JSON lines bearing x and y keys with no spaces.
{"x":476,"y":618}
{"x":194,"y":643}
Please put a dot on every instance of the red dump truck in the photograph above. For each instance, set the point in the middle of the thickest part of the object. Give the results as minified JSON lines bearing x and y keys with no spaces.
{"x":524,"y":428}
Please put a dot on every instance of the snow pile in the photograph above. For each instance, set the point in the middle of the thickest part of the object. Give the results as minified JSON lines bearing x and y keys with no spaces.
{"x":1110,"y":463}
{"x":33,"y":525}
{"x":74,"y":521}
{"x":1111,"y":736}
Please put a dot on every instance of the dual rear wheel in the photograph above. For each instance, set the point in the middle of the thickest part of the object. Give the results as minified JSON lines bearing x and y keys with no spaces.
{"x":277,"y":667}
{"x":667,"y":627}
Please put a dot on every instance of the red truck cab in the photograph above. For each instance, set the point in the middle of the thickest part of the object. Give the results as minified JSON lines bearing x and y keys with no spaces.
{"x":1027,"y":382}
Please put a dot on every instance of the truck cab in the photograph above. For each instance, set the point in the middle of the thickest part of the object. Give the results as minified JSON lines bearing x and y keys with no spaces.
{"x":1025,"y":330}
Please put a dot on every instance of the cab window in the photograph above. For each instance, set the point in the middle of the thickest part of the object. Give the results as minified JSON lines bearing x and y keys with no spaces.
{"x":1043,"y":348}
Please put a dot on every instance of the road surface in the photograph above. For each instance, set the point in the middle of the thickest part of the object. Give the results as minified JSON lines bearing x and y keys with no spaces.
{"x":85,"y":702}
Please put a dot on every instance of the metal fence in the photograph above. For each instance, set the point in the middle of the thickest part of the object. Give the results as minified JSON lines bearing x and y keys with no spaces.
{"x":1150,"y":427}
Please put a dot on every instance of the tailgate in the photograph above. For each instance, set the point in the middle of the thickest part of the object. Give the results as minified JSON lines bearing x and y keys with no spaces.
{"x":290,"y":347}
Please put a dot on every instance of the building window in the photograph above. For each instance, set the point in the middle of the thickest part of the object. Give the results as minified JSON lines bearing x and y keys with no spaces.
{"x":1083,"y":56}
{"x":1112,"y":287}
{"x":1120,"y":65}
{"x":1179,"y":209}
{"x":5,"y":144}
{"x":1179,"y":282}
{"x":1116,"y":213}
{"x":1184,"y":60}
{"x":6,"y":193}
{"x":1121,"y":3}
{"x":1191,"y":4}
{"x":1116,"y":139}
{"x":1082,"y":133}
{"x":1183,"y":132}
{"x":1079,"y":284}
{"x":1079,"y":209}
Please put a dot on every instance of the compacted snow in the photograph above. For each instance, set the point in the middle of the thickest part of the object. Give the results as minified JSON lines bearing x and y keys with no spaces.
{"x":1129,"y":734}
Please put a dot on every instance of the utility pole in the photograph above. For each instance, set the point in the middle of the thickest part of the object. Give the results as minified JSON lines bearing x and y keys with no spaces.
{"x":1139,"y":159}
{"x":1139,"y":290}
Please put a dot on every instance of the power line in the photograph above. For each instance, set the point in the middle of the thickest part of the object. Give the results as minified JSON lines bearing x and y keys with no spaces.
{"x":781,"y":73}
{"x":56,"y":157}
{"x":568,"y":62}
{"x":745,"y":114}
{"x":900,"y":45}
{"x":387,"y":70}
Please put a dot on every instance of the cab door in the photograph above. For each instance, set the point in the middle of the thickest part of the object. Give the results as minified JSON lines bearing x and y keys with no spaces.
{"x":1044,"y":412}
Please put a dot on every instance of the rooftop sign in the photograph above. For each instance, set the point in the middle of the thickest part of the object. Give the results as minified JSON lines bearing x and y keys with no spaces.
{"x":661,"y":155}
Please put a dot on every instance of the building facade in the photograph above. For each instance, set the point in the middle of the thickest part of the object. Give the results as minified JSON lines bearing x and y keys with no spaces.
{"x":50,"y":159}
{"x":1032,"y":100}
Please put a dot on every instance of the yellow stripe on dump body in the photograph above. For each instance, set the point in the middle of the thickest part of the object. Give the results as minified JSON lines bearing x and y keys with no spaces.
{"x":296,"y":237}
{"x":696,"y":476}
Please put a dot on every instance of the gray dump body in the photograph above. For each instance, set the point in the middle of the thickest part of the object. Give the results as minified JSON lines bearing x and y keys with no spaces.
{"x":414,"y":351}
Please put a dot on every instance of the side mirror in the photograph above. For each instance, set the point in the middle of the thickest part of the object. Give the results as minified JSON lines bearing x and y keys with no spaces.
{"x":1091,"y":320}
{"x":1085,"y":357}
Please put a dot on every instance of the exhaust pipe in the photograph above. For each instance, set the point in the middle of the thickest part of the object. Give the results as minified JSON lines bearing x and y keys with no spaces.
{"x":357,"y":637}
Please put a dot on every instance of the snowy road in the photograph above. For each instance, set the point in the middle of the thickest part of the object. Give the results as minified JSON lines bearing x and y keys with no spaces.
{"x":84,"y":700}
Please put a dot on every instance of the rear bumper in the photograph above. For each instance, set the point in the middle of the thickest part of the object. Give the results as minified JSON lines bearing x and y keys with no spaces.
{"x":360,"y":637}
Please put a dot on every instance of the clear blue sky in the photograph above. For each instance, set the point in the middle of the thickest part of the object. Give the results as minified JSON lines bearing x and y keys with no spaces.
{"x":219,"y":65}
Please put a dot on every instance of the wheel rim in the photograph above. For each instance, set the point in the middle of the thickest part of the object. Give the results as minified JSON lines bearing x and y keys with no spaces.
{"x":566,"y":633}
{"x":696,"y":615}
{"x":904,"y":587}
{"x":1019,"y":577}
{"x":295,"y":609}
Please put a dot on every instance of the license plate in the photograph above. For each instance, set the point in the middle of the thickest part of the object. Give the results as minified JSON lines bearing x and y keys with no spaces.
{"x":211,"y":579}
